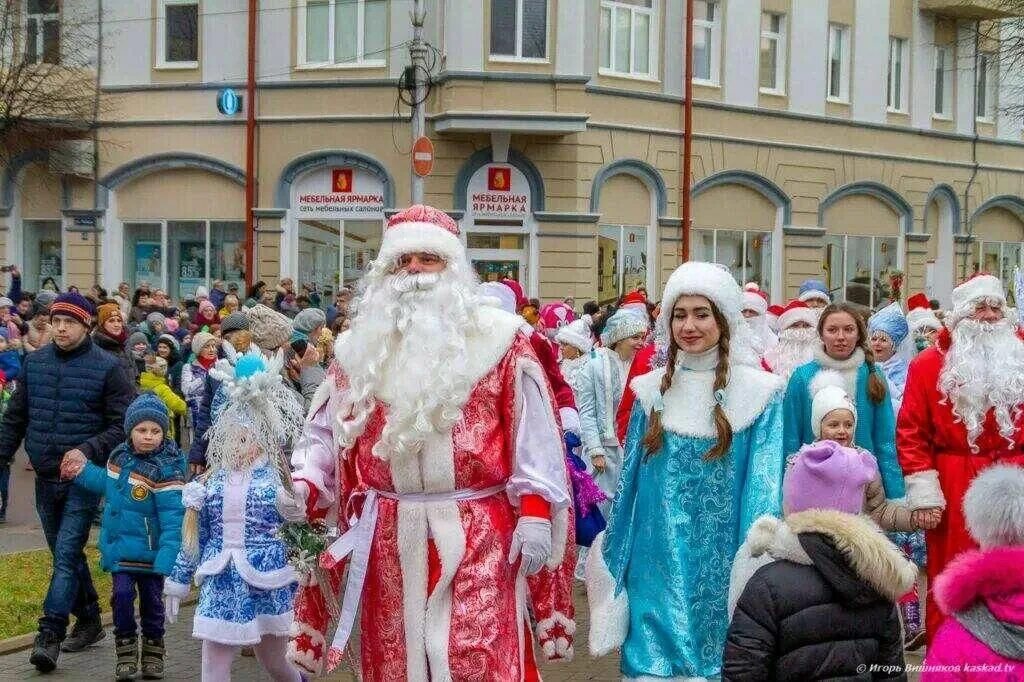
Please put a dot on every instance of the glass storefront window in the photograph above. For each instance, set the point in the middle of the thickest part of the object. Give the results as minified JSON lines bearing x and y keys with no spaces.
{"x":857,"y":269}
{"x":999,"y":259}
{"x":143,"y":254}
{"x":188,"y":257}
{"x":227,"y":253}
{"x":362,"y":242}
{"x":42,"y":260}
{"x":746,"y":253}
{"x":320,"y":253}
{"x":498,"y":255}
{"x":622,"y":260}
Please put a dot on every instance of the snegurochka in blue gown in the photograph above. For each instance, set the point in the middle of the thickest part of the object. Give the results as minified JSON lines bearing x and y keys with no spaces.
{"x":678,"y":519}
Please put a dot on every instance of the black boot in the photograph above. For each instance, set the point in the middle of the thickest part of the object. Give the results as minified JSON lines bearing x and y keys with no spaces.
{"x":45,"y":652}
{"x":127,"y":650}
{"x":152,"y":659}
{"x":85,"y":633}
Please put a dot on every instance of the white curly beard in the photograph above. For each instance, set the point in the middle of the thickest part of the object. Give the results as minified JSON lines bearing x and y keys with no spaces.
{"x":409,"y":337}
{"x":984,"y":370}
{"x":796,"y":347}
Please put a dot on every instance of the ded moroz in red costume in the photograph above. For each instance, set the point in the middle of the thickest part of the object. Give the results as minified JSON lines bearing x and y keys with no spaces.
{"x":932,"y":440}
{"x":433,"y":499}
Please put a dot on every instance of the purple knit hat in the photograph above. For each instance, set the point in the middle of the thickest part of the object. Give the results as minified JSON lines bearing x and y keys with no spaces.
{"x":825,"y":475}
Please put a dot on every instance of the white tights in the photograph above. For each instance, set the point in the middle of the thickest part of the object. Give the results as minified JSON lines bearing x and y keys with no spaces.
{"x":270,"y":652}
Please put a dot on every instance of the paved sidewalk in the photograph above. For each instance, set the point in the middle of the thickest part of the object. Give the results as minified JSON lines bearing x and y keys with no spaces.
{"x":183,"y":660}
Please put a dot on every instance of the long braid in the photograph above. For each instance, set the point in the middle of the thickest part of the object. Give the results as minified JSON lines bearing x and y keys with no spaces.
{"x":876,"y":387}
{"x":724,"y":441}
{"x":655,"y":431}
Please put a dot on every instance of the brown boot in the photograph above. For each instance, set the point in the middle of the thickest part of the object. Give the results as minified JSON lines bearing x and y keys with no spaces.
{"x":152,"y":659}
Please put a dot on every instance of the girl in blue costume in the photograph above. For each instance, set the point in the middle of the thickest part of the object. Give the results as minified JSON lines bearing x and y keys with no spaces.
{"x":230,"y":547}
{"x":888,"y":329}
{"x":703,"y":460}
{"x":844,"y":348}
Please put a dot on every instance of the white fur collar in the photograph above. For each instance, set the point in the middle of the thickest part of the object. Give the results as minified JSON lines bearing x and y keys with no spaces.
{"x":851,"y":363}
{"x":689,"y":402}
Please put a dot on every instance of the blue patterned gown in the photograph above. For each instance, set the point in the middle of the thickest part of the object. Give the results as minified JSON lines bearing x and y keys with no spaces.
{"x":246,"y":585}
{"x":679,"y":519}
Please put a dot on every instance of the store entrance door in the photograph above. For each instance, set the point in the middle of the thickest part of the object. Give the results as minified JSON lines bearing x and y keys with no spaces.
{"x":320,"y":259}
{"x":498,"y":256}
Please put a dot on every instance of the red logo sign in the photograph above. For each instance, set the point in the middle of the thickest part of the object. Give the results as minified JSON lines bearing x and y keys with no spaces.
{"x":499,"y":179}
{"x":341,"y":180}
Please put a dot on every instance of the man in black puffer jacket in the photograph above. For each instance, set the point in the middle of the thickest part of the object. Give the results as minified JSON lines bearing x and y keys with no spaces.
{"x":70,"y":397}
{"x":813,"y":597}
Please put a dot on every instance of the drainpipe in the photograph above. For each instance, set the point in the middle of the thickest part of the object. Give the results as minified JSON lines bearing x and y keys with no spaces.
{"x":684,"y":184}
{"x":96,"y":142}
{"x":968,"y":221}
{"x":250,"y":144}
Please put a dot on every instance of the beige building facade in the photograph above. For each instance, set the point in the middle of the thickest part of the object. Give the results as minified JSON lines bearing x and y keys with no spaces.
{"x":838,"y":139}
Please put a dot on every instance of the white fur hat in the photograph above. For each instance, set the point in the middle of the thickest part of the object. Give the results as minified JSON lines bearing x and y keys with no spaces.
{"x":710,"y":280}
{"x":994,"y":506}
{"x":797,"y":311}
{"x":968,"y":294}
{"x":918,"y":318}
{"x":422,"y":228}
{"x":828,"y":391}
{"x":577,"y":334}
{"x":754,"y":299}
{"x":498,"y":295}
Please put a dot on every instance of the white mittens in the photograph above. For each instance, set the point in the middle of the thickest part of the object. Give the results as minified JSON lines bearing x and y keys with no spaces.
{"x":171,"y":606}
{"x":292,"y":508}
{"x":532,"y":540}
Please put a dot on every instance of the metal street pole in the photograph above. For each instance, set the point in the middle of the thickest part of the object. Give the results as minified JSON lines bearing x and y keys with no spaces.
{"x":684,"y":185}
{"x":418,"y":52}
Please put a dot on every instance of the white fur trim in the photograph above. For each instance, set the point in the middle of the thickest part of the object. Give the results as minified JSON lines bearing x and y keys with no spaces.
{"x":814,"y":294}
{"x":922,"y":317}
{"x":794,"y":315}
{"x":497,"y":295}
{"x":609,"y":613}
{"x":924,"y":491}
{"x":174,"y":589}
{"x":965,"y":296}
{"x":559,"y":538}
{"x":241,"y":634}
{"x":427,"y":237}
{"x":689,"y":402}
{"x":570,"y":419}
{"x":445,"y":524}
{"x":576,"y":334}
{"x":754,"y":301}
{"x":305,"y":660}
{"x":709,"y":280}
{"x":412,"y":557}
{"x":557,"y":617}
{"x":261,"y":580}
{"x":193,"y":495}
{"x":768,"y":540}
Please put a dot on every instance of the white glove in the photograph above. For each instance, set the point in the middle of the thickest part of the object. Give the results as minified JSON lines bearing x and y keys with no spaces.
{"x":532,"y":539}
{"x":171,"y":606}
{"x":291,"y":508}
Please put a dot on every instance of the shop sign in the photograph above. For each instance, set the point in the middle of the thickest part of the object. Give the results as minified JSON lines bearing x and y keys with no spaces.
{"x":499,"y":191}
{"x":338,"y":193}
{"x":229,"y":102}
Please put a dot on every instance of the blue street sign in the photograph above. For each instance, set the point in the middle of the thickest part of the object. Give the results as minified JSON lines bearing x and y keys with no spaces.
{"x":229,"y":102}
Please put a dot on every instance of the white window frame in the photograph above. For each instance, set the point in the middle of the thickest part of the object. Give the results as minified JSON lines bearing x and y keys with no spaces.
{"x":747,"y":234}
{"x":41,"y":20}
{"x":161,"y":34}
{"x":360,"y":62}
{"x":652,"y":39}
{"x":985,"y":63}
{"x":843,"y":97}
{"x":898,"y":78}
{"x":714,"y":29}
{"x":871,"y":250}
{"x":517,"y":57}
{"x":780,"y":55}
{"x":947,"y":59}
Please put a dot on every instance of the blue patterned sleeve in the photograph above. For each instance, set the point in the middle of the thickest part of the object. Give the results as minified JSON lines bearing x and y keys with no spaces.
{"x":618,"y":540}
{"x":762,"y":489}
{"x":184,"y":569}
{"x":884,"y":441}
{"x":796,"y":395}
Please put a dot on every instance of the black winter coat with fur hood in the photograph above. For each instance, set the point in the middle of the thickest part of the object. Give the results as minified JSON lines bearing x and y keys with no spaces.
{"x":812,"y":598}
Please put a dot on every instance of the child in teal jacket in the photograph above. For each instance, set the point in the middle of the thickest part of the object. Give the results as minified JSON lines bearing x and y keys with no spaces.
{"x":141,"y":532}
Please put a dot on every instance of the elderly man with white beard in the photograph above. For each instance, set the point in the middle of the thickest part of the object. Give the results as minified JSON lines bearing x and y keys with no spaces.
{"x":961,"y":414}
{"x":435,"y":438}
{"x":798,"y":339}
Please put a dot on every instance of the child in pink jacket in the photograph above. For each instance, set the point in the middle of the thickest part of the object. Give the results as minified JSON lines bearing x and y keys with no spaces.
{"x":981,"y":592}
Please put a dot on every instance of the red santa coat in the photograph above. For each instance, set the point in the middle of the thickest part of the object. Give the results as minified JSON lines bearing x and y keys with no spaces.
{"x":929,"y":443}
{"x":453,"y":607}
